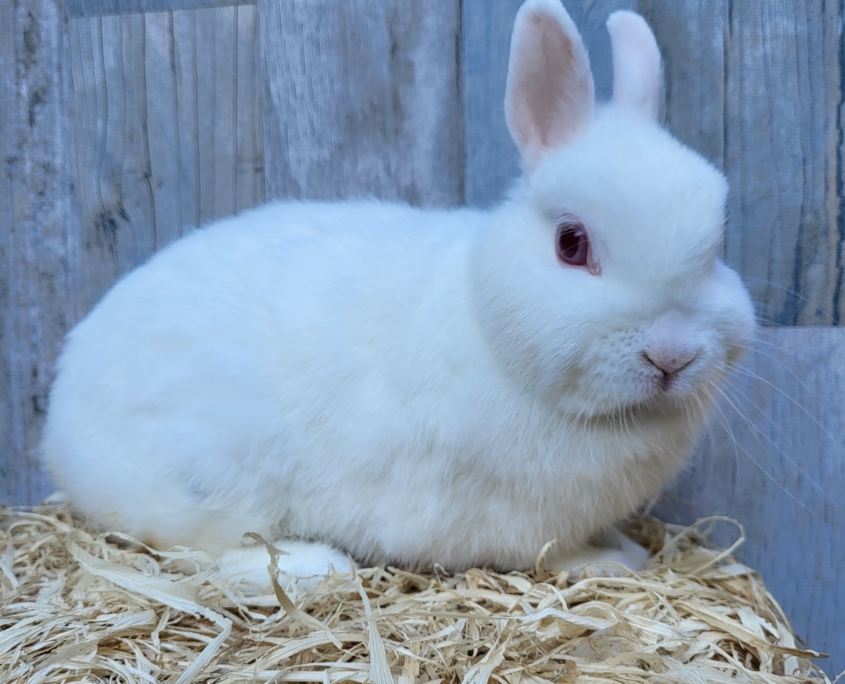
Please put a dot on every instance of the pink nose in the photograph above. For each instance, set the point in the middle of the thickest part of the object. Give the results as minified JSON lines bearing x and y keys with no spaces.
{"x":670,"y":361}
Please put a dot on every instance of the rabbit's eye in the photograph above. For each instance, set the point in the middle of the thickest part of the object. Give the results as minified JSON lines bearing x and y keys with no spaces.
{"x":572,"y":242}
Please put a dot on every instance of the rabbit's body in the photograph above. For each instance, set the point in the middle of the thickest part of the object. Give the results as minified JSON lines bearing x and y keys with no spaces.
{"x":390,"y":437}
{"x":409,"y":386}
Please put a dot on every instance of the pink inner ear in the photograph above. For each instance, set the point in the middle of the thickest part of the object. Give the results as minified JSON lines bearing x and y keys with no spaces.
{"x":555,"y":51}
{"x":550,"y":88}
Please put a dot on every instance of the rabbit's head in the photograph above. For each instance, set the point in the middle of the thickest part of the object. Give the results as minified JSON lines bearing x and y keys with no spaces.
{"x":599,"y":283}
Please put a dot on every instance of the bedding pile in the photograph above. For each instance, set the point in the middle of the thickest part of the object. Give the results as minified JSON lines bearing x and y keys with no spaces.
{"x":78,"y":605}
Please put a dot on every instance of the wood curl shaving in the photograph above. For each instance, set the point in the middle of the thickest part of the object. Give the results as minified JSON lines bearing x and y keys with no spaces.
{"x":81,"y":606}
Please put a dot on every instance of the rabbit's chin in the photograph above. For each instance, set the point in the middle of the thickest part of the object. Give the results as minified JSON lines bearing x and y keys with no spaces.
{"x":689,"y":406}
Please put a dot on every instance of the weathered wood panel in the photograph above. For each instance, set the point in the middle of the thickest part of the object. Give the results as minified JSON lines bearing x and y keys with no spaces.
{"x":167,"y":122}
{"x":363,"y":100}
{"x":774,"y":459}
{"x":756,"y":87}
{"x":91,"y":8}
{"x":120,"y":132}
{"x":491,"y":160}
{"x":38,"y":232}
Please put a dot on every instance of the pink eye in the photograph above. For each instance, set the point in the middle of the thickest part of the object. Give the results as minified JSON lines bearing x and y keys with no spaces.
{"x":571,"y":242}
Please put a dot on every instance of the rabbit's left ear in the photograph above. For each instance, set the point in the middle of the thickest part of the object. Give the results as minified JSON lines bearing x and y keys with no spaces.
{"x":550,"y":93}
{"x":637,"y":72}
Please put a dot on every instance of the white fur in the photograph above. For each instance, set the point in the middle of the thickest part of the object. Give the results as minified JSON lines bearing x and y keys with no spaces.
{"x":638,"y":74}
{"x":301,"y":564}
{"x":608,"y":553}
{"x":413,"y":387}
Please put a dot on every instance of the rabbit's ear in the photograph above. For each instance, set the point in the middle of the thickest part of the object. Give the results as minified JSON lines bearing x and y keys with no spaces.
{"x":637,"y":73}
{"x":550,"y":93}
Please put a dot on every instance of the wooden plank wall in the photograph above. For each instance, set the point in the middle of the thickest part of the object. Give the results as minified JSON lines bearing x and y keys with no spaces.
{"x":130,"y":121}
{"x":93,"y":8}
{"x":168,"y":130}
{"x":773,"y":460}
{"x":155,"y":121}
{"x":363,"y":100}
{"x":39,"y":230}
{"x":762,"y":99}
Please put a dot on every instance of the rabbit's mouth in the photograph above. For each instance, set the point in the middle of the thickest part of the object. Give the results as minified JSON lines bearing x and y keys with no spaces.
{"x":657,"y":400}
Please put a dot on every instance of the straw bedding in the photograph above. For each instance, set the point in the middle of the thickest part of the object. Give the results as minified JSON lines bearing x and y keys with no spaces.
{"x":81,"y":606}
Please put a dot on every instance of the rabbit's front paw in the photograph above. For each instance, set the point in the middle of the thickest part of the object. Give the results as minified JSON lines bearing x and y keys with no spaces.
{"x":301,"y":563}
{"x":610,"y":554}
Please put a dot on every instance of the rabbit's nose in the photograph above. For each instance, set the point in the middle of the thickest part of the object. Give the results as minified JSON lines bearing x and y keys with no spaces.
{"x":670,"y":361}
{"x":671,"y":344}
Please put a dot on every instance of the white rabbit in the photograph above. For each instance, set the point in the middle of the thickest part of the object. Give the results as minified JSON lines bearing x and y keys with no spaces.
{"x":422,"y":387}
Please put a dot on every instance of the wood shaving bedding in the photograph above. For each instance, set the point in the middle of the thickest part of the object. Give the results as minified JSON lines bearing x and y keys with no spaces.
{"x":83,"y":606}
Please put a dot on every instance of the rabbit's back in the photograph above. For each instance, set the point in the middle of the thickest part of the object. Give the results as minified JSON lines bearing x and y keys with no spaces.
{"x":208,"y":369}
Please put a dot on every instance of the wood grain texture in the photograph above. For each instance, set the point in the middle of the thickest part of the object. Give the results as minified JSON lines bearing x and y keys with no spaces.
{"x":39,"y":256}
{"x":492,"y":162}
{"x":93,"y":8}
{"x":167,"y":121}
{"x":363,"y":100}
{"x":774,"y":459}
{"x":124,"y":131}
{"x":756,"y":87}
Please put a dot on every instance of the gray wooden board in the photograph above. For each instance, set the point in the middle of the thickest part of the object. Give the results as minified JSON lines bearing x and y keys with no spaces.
{"x":91,"y":8}
{"x":363,"y":100}
{"x":490,"y":158}
{"x":774,"y":460}
{"x":167,"y":123}
{"x":39,"y":257}
{"x":124,"y":131}
{"x":755,"y":86}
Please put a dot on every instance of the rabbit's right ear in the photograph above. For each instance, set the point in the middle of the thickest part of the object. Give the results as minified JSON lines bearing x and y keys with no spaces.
{"x":550,"y":93}
{"x":637,"y":72}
